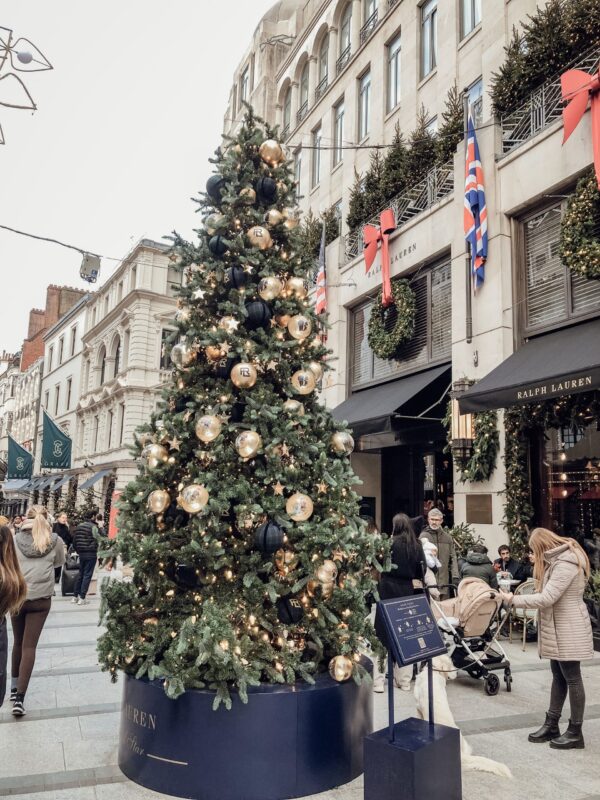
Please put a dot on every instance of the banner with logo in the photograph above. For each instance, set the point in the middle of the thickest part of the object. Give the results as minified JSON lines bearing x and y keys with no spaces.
{"x":20,"y":461}
{"x":56,"y":446}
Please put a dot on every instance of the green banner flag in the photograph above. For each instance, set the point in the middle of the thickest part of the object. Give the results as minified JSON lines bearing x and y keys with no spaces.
{"x":20,"y":461}
{"x":56,"y":446}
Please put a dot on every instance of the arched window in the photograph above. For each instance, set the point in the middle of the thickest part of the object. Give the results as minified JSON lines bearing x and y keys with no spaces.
{"x":304,"y":86}
{"x":323,"y":63}
{"x":346,"y":29}
{"x":287,"y":109}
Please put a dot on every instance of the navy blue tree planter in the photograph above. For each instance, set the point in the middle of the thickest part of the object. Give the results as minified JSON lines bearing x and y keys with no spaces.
{"x":288,"y":741}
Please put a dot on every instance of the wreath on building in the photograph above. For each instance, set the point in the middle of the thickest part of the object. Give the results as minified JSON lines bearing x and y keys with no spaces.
{"x":579,"y":242}
{"x":391,"y":327}
{"x":486,"y":443}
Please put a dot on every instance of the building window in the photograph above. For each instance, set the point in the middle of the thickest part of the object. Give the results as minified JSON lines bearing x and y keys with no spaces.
{"x":117,"y":358}
{"x":121,"y":421}
{"x":338,"y":132}
{"x":47,"y":399}
{"x":245,"y":85}
{"x":126,"y":340}
{"x":165,"y":358}
{"x":370,"y":7}
{"x":346,"y":29}
{"x":316,"y":156}
{"x":324,"y":61}
{"x":81,"y":435}
{"x":303,"y":108}
{"x":471,"y":15}
{"x":298,"y":170}
{"x":432,"y":341}
{"x":432,"y":126}
{"x":50,"y":357}
{"x":428,"y":37}
{"x":474,"y":102}
{"x":287,"y":112}
{"x":364,"y":103}
{"x":61,"y":349}
{"x":109,"y":426}
{"x":73,"y":339}
{"x":96,"y":429}
{"x":174,"y":279}
{"x":69,"y":386}
{"x":553,"y":293}
{"x":393,"y":73}
{"x":102,"y":365}
{"x":56,"y":398}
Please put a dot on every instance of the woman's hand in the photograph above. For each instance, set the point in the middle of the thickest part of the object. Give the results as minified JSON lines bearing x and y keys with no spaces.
{"x":506,"y":597}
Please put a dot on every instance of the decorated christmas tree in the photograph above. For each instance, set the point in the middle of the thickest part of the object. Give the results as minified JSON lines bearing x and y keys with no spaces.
{"x":251,"y":563}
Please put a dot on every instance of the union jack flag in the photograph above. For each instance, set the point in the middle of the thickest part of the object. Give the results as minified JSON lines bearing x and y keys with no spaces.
{"x":475,"y":213}
{"x":321,"y":298}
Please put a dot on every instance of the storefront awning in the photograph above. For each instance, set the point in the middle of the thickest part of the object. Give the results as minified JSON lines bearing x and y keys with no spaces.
{"x":370,"y":410}
{"x":62,"y":481}
{"x":95,"y":477}
{"x":15,"y":485}
{"x":564,"y":362}
{"x":34,"y":483}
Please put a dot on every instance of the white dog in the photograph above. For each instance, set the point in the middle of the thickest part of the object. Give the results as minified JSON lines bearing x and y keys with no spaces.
{"x":445,"y":671}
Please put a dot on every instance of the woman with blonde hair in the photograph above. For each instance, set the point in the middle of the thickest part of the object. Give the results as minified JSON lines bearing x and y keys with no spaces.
{"x":39,"y":552}
{"x":12,"y":595}
{"x":561,"y":571}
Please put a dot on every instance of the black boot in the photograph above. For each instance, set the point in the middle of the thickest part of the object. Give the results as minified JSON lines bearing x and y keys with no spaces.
{"x":572,"y":738}
{"x":547,"y":732}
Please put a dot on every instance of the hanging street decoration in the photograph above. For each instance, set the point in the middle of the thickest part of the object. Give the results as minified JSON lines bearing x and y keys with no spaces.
{"x":371,"y":238}
{"x":577,"y":88}
{"x":579,"y":244}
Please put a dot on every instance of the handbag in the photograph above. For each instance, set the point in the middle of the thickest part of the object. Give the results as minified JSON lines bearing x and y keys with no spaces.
{"x":72,"y":559}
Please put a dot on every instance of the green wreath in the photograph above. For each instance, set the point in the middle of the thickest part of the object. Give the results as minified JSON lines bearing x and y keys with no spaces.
{"x":391,"y":327}
{"x":486,"y":443}
{"x":579,"y":243}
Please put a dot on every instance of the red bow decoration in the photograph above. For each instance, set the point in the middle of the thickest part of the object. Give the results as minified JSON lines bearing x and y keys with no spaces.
{"x":371,"y":238}
{"x":577,"y":86}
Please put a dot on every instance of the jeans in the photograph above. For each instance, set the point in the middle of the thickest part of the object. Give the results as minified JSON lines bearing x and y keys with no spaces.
{"x":87,"y":565}
{"x":27,"y":627}
{"x":566,"y":677}
{"x":3,"y":658}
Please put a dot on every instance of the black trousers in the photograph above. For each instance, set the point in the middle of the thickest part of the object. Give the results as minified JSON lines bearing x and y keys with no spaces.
{"x":3,"y":658}
{"x":566,"y":679}
{"x":87,"y":565}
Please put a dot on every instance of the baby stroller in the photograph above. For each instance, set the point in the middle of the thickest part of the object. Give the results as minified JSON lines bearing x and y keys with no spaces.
{"x":471,"y":623}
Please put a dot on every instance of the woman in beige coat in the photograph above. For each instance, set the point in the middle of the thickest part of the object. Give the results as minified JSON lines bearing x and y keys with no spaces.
{"x":561,"y":571}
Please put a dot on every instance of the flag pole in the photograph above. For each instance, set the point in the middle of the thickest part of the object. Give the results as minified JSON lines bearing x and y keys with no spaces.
{"x":469,"y":299}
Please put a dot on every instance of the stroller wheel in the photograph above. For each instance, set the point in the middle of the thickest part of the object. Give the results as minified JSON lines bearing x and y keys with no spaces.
{"x":508,"y":680}
{"x":492,"y":684}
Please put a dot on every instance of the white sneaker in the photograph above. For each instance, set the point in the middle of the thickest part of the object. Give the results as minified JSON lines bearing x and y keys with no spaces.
{"x":379,"y":684}
{"x":83,"y":602}
{"x":405,"y":687}
{"x":74,"y":600}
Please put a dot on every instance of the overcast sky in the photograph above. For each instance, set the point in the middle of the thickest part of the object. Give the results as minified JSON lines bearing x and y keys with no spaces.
{"x":125,"y":124}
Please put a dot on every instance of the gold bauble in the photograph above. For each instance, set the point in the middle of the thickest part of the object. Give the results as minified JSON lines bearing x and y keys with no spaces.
{"x":340,"y":668}
{"x":244,"y":375}
{"x":294,"y":407}
{"x":193,"y":498}
{"x":274,"y":217}
{"x":297,"y":287}
{"x":299,"y":327}
{"x":260,"y":237}
{"x":299,"y":507}
{"x":248,"y":195}
{"x":213,"y":352}
{"x":214,"y":223}
{"x":158,"y":501}
{"x":327,"y":571}
{"x":270,"y":287}
{"x":208,"y":428}
{"x":271,"y":152}
{"x":285,"y":560}
{"x":155,"y":454}
{"x":228,"y":324}
{"x":303,"y":381}
{"x":315,"y":588}
{"x":248,"y":443}
{"x":316,"y":369}
{"x":342,"y":442}
{"x":182,"y":354}
{"x":292,"y":218}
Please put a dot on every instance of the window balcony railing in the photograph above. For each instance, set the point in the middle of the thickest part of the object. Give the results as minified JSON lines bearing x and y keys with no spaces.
{"x":285,"y":132}
{"x":543,"y":107}
{"x":369,"y":26}
{"x":321,"y":87}
{"x":392,"y":3}
{"x":302,"y":111}
{"x":343,"y":59}
{"x":437,"y":184}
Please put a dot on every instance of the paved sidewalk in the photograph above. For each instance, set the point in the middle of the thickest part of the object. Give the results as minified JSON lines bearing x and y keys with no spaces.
{"x":66,"y":746}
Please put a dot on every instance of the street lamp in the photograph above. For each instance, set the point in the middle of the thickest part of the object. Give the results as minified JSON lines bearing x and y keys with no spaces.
{"x":23,"y":56}
{"x":462,"y":424}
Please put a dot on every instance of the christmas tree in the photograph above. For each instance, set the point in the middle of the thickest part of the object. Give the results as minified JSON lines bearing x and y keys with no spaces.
{"x":251,"y":563}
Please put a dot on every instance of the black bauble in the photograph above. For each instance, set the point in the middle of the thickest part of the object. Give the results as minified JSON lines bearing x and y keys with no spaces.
{"x":259,"y":315}
{"x":223,"y":368}
{"x":268,"y":537}
{"x":217,"y":246}
{"x":236,"y":277}
{"x":237,"y":412}
{"x":266,"y":190}
{"x":186,"y":576}
{"x":215,"y":186}
{"x":289,"y":610}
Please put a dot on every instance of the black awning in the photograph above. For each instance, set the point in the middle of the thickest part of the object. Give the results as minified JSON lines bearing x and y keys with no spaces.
{"x":371,"y":410}
{"x":564,"y":362}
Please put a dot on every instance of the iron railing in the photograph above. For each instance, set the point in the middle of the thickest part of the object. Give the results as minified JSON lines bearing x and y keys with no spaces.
{"x":437,"y":184}
{"x":285,"y":132}
{"x":321,"y":88}
{"x":542,"y":107}
{"x":343,"y":59}
{"x":392,"y":3}
{"x":369,"y":26}
{"x":302,"y":111}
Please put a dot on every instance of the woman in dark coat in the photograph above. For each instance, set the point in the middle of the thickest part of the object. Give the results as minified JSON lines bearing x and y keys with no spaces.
{"x":406,"y":578}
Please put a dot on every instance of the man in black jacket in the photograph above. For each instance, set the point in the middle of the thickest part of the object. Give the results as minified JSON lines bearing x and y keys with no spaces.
{"x":61,"y":527}
{"x":85,"y":544}
{"x":506,"y":563}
